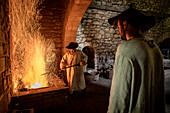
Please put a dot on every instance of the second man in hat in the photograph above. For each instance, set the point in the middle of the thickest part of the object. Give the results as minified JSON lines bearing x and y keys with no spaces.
{"x":73,"y":62}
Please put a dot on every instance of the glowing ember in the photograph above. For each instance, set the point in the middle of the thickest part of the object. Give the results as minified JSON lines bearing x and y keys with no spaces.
{"x":37,"y":85}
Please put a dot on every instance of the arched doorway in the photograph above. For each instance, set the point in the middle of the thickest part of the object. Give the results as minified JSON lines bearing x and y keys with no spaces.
{"x":89,"y":51}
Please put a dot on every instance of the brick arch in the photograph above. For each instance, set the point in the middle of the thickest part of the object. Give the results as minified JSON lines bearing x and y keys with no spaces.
{"x":74,"y":14}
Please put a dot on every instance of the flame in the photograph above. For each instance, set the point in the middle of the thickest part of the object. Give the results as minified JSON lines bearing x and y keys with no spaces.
{"x":35,"y":66}
{"x":37,"y":85}
{"x":31,"y":53}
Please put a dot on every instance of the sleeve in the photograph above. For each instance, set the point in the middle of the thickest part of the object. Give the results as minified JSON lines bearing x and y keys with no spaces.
{"x":120,"y":87}
{"x":63,"y":62}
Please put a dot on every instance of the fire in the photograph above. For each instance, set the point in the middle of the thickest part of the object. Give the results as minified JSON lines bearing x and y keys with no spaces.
{"x":37,"y":85}
{"x":32,"y":54}
{"x":32,"y":66}
{"x":35,"y":66}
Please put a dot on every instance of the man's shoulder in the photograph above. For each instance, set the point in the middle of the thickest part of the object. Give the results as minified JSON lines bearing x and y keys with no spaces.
{"x":66,"y":53}
{"x":78,"y":51}
{"x":132,"y":43}
{"x":131,"y":47}
{"x":126,"y":45}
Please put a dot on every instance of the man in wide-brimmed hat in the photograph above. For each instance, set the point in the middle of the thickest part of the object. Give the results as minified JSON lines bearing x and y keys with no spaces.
{"x":73,"y":62}
{"x":138,"y":80}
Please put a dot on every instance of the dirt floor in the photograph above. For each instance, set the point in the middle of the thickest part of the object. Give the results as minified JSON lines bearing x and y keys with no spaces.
{"x":95,"y":101}
{"x":97,"y":98}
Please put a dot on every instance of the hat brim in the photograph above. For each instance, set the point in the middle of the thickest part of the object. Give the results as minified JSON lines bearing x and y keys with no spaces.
{"x":113,"y":20}
{"x":146,"y":22}
{"x":72,"y":45}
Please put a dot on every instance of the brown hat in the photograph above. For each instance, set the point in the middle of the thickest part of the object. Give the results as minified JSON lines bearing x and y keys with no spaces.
{"x":72,"y":45}
{"x":145,"y":22}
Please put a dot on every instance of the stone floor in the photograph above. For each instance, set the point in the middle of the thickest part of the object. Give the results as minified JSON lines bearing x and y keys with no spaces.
{"x":167,"y":90}
{"x":97,"y":98}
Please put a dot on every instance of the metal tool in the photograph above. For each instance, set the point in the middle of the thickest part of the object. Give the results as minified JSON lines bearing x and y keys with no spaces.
{"x":64,"y":67}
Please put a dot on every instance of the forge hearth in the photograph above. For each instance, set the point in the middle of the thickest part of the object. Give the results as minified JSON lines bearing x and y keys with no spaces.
{"x":40,"y":100}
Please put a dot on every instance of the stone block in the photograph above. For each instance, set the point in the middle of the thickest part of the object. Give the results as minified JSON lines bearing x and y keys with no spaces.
{"x":2,"y":64}
{"x":1,"y":85}
{"x":89,"y":20}
{"x":2,"y":37}
{"x":46,"y":20}
{"x":58,"y":23}
{"x":45,"y":24}
{"x":58,"y":45}
{"x":57,"y":28}
{"x":1,"y":51}
{"x":99,"y":36}
{"x":97,"y":23}
{"x":57,"y":40}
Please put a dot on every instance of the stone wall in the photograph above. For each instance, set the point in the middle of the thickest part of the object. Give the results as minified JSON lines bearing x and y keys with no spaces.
{"x":53,"y":14}
{"x":94,"y":30}
{"x":5,"y":66}
{"x":160,"y":31}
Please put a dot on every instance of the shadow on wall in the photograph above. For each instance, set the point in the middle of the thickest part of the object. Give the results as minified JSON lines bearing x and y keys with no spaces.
{"x":89,"y":51}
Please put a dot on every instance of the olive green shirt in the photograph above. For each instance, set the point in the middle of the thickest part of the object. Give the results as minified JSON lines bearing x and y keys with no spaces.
{"x":138,"y":80}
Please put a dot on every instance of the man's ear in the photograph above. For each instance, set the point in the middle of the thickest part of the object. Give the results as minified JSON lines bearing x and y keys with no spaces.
{"x":125,"y":24}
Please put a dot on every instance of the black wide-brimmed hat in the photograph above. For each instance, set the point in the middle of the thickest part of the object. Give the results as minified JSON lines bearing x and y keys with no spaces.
{"x":72,"y":45}
{"x":145,"y":22}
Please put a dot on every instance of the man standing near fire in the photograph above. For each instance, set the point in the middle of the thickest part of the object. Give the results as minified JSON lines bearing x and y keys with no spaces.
{"x":73,"y":62}
{"x":138,"y":80}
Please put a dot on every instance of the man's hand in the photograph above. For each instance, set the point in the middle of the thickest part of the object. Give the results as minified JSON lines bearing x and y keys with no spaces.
{"x":81,"y":63}
{"x":63,"y":68}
